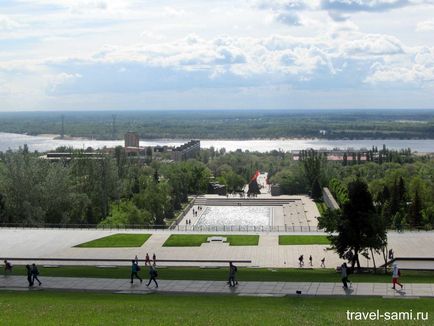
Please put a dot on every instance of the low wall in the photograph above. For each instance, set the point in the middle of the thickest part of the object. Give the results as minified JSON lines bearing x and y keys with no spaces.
{"x":328,"y":198}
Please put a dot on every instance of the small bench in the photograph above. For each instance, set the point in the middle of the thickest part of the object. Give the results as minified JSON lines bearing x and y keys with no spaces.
{"x":216,"y":239}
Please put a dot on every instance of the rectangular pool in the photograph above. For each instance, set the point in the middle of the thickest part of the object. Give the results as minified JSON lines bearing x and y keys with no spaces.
{"x":235,"y":216}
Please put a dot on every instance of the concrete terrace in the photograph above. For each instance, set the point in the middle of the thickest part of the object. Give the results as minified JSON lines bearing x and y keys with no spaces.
{"x":59,"y":243}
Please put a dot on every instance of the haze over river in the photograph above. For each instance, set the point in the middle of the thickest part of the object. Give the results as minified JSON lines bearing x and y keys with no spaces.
{"x":47,"y":143}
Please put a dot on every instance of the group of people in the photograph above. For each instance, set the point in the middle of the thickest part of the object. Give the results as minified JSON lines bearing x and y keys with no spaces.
{"x":148,"y":259}
{"x":135,"y":269}
{"x":396,"y":273}
{"x":32,"y":274}
{"x":301,"y":261}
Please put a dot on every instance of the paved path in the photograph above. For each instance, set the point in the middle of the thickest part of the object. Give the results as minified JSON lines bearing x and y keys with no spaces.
{"x":50,"y":243}
{"x":218,"y":287}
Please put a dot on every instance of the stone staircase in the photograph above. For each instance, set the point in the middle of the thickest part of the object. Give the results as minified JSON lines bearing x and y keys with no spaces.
{"x":201,"y":201}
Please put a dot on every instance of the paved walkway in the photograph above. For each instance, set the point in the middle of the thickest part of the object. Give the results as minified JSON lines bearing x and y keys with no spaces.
{"x":218,"y":287}
{"x":50,"y":243}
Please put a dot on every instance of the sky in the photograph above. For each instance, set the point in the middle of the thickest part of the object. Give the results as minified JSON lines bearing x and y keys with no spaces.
{"x":188,"y":54}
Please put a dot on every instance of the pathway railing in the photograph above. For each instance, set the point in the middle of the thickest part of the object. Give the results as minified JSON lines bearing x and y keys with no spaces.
{"x":59,"y":261}
{"x":178,"y":228}
{"x":165,"y":228}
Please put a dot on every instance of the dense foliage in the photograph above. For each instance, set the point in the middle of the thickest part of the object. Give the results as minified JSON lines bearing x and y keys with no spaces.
{"x":115,"y":189}
{"x":93,"y":191}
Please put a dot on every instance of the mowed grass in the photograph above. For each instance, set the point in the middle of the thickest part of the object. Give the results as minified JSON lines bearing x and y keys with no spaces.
{"x":195,"y":240}
{"x":303,"y":240}
{"x":221,"y":274}
{"x":72,"y":308}
{"x":117,"y":241}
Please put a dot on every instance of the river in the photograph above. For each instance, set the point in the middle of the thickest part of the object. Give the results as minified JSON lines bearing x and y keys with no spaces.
{"x":46,"y":143}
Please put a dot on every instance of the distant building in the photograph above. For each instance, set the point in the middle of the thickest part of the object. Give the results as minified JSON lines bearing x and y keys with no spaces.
{"x":132,"y":139}
{"x":187,"y":151}
{"x":66,"y":157}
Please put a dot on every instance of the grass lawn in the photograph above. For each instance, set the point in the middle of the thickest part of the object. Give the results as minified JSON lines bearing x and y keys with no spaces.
{"x":322,"y":207}
{"x":221,"y":274}
{"x":117,"y":240}
{"x":61,"y":308}
{"x":303,"y":240}
{"x":195,"y":240}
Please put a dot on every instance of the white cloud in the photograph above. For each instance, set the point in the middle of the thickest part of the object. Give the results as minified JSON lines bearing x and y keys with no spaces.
{"x":425,"y":26}
{"x":417,"y":70}
{"x":8,"y":24}
{"x":68,"y":48}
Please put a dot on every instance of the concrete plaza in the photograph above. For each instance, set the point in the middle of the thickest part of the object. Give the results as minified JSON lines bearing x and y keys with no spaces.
{"x":59,"y":243}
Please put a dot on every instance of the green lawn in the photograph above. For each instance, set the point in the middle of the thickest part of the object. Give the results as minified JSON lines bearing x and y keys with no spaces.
{"x":221,"y":274}
{"x":195,"y":240}
{"x":117,"y":240}
{"x":303,"y":240}
{"x":322,"y":207}
{"x":72,"y":308}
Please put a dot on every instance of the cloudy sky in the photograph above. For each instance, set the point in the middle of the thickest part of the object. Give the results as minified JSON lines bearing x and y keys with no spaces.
{"x":181,"y":54}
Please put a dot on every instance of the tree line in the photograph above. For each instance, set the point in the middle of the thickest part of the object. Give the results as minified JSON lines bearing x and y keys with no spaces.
{"x":251,"y":124}
{"x":115,"y":189}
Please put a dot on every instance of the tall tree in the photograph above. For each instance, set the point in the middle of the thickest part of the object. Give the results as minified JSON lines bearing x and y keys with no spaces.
{"x":358,"y":227}
{"x":415,"y":211}
{"x":312,"y":162}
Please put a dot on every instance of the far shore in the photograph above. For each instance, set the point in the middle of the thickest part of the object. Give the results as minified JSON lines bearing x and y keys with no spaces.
{"x":67,"y":137}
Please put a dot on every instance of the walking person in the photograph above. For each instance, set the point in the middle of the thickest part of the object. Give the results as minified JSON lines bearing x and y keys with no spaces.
{"x":391,"y":254}
{"x":147,"y":260}
{"x":344,"y":276}
{"x":232,"y":272}
{"x":35,"y":274}
{"x":153,"y":274}
{"x":134,"y":270}
{"x":29,"y":274}
{"x":323,"y":262}
{"x":7,"y":266}
{"x":396,"y":273}
{"x":154,"y":259}
{"x":301,"y":261}
{"x":310,"y":260}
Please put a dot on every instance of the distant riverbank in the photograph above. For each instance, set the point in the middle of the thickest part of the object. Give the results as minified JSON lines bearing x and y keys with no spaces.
{"x":47,"y":143}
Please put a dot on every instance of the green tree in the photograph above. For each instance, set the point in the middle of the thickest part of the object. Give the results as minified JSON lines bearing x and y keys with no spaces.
{"x":357,"y":226}
{"x":415,"y":211}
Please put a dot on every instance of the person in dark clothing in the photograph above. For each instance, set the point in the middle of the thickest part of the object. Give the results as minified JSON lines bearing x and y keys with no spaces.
{"x":310,"y":260}
{"x":8,"y":266}
{"x":154,"y":259}
{"x":152,"y":276}
{"x":134,"y":270}
{"x":344,"y":275}
{"x":29,"y":274}
{"x":232,"y":275}
{"x":35,"y":274}
{"x":301,"y":261}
